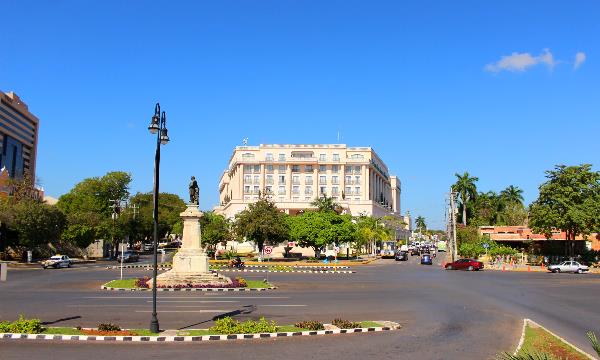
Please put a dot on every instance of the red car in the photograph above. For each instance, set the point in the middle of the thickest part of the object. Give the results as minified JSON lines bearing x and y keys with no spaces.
{"x":465,"y":264}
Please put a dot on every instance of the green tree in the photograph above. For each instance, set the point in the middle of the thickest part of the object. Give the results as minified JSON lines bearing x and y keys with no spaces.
{"x":170,"y":206}
{"x":370,"y":229}
{"x":325,"y":203}
{"x":37,"y":224}
{"x":261,"y":223}
{"x":570,"y":201}
{"x":316,"y":229}
{"x":215,"y":230}
{"x":512,"y":195}
{"x":87,"y":205}
{"x":467,"y":191}
{"x":420,"y":224}
{"x":512,"y":214}
{"x":486,"y":207}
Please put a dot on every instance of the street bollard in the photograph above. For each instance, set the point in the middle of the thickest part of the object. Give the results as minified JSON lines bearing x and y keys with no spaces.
{"x":503,"y":267}
{"x":529,"y":268}
{"x":3,"y":271}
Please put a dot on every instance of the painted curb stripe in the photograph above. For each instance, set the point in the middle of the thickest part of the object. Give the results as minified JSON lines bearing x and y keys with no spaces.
{"x":190,"y":338}
{"x":188,"y":289}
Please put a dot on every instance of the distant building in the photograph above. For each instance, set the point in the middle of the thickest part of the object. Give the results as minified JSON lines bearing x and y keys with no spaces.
{"x":18,"y":136}
{"x":293,"y":176}
{"x":519,"y":236}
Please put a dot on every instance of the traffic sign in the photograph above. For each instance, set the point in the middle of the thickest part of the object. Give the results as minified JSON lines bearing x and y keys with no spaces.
{"x":486,"y":245}
{"x":268,"y":250}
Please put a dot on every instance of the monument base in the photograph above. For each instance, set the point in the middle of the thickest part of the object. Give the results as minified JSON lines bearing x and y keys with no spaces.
{"x":190,"y":269}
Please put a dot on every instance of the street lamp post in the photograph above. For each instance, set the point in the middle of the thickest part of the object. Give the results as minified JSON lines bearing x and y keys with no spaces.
{"x":158,"y":126}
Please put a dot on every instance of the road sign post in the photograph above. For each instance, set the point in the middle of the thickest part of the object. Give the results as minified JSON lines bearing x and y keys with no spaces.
{"x":3,"y":271}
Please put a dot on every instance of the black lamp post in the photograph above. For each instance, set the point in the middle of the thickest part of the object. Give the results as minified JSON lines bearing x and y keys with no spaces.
{"x":157,"y":126}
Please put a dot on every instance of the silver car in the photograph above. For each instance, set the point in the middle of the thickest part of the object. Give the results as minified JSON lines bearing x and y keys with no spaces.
{"x":57,"y":261}
{"x":569,"y":266}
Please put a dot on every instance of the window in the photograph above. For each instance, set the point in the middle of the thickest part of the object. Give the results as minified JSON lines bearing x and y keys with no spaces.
{"x":247,"y":169}
{"x":281,"y":157}
{"x":256,"y":189}
{"x":307,"y":198}
{"x":281,"y":168}
{"x":281,"y":179}
{"x":247,"y":179}
{"x":357,"y":190}
{"x":357,"y":180}
{"x":247,"y":156}
{"x":357,"y":169}
{"x":269,"y":169}
{"x":348,"y":190}
{"x":349,"y":180}
{"x":269,"y":189}
{"x":335,"y":180}
{"x":334,"y":191}
{"x":348,"y":170}
{"x":323,"y":190}
{"x":357,"y":156}
{"x":308,"y":180}
{"x":296,"y":190}
{"x":336,"y":157}
{"x":295,"y":168}
{"x":322,"y":179}
{"x":335,"y":169}
{"x":269,"y":179}
{"x":322,"y":168}
{"x":247,"y":189}
{"x":269,"y":157}
{"x":308,"y":168}
{"x":322,"y":157}
{"x":281,"y":190}
{"x":257,"y":179}
{"x":308,"y":190}
{"x":296,"y":180}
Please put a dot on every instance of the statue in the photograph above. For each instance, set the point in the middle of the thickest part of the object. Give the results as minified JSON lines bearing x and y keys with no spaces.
{"x":194,"y":192}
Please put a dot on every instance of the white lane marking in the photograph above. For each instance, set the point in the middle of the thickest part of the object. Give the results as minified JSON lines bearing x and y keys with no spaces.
{"x":138,"y":306}
{"x":194,"y":301}
{"x":283,"y":305}
{"x":186,"y":311}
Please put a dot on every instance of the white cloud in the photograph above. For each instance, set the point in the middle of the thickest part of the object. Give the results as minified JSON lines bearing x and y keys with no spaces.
{"x":579,"y":59}
{"x":521,"y":62}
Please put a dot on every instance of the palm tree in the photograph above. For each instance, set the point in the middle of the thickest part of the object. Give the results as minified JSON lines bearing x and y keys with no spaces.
{"x":467,"y":191}
{"x":420,"y":223}
{"x":326,"y":203}
{"x":512,"y":195}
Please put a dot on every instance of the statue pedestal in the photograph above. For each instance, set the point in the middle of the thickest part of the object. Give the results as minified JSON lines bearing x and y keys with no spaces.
{"x":190,"y":264}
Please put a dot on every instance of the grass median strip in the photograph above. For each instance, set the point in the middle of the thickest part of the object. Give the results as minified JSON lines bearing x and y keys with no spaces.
{"x":538,"y":340}
{"x":131,"y":284}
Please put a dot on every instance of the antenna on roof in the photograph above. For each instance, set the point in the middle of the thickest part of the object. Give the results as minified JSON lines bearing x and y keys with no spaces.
{"x":245,"y":141}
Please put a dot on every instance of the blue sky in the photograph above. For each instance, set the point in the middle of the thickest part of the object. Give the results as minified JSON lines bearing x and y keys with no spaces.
{"x":436,"y":87}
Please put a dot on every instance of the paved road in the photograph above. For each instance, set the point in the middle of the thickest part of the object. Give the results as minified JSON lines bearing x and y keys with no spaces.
{"x":445,"y":315}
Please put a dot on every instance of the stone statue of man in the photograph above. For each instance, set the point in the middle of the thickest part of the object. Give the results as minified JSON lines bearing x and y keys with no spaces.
{"x":194,"y":192}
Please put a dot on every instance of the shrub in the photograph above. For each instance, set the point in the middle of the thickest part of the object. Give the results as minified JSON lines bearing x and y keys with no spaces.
{"x":108,"y":327}
{"x":241,"y":282}
{"x":345,"y":324}
{"x":228,"y":326}
{"x":142,"y":282}
{"x":22,"y":326}
{"x":280,"y":268}
{"x":310,"y":325}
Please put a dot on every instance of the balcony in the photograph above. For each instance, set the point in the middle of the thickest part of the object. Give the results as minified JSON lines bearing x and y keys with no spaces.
{"x":309,"y":192}
{"x":295,"y":182}
{"x":308,"y":182}
{"x":281,"y":192}
{"x":269,"y":182}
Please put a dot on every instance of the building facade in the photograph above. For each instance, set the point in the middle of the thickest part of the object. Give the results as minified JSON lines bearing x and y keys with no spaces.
{"x":18,"y":137}
{"x":293,"y":176}
{"x":522,"y":236}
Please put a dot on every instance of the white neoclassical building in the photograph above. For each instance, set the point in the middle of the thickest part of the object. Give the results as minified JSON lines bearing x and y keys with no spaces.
{"x":292,"y":176}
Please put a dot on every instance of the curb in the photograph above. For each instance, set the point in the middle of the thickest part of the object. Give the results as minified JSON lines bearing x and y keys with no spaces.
{"x":188,"y":289}
{"x":292,"y":271}
{"x":533,"y":323}
{"x":204,"y":338}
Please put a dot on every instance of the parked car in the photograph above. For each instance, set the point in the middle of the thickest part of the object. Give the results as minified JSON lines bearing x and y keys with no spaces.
{"x":148,"y":246}
{"x":426,"y":259}
{"x":57,"y":261}
{"x":128,"y":256}
{"x":465,"y":264}
{"x":569,"y":266}
{"x":401,"y":256}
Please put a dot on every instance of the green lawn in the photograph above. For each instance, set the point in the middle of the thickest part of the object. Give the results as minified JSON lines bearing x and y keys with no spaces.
{"x":125,"y":283}
{"x":290,"y":328}
{"x":196,"y":333}
{"x":258,"y":284}
{"x":368,"y":324}
{"x":538,"y":340}
{"x":62,"y":331}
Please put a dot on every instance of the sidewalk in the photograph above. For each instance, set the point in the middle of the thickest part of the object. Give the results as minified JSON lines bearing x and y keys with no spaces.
{"x":526,"y":268}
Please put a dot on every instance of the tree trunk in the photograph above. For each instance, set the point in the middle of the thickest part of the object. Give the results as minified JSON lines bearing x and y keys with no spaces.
{"x":464,"y":217}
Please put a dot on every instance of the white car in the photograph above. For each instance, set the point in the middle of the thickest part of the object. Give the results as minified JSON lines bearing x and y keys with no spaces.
{"x":569,"y":266}
{"x":57,"y":261}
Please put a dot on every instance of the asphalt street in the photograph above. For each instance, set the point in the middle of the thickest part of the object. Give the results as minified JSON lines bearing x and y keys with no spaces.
{"x":444,"y":314}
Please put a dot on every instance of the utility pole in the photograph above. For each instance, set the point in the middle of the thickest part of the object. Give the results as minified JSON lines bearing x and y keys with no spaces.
{"x":453,"y":249}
